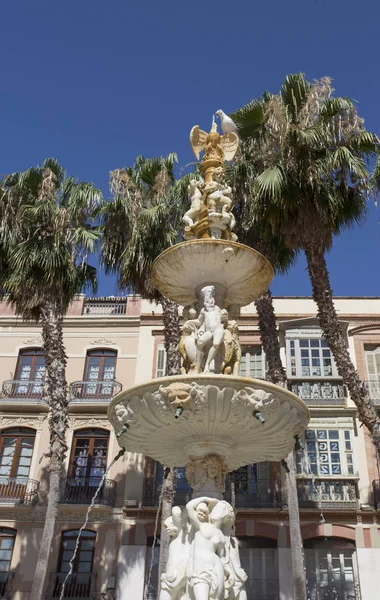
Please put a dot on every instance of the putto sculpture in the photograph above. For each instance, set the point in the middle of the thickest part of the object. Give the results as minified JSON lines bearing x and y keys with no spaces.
{"x":208,"y":418}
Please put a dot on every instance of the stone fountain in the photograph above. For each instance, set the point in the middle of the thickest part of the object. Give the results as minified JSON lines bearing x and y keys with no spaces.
{"x":208,"y":419}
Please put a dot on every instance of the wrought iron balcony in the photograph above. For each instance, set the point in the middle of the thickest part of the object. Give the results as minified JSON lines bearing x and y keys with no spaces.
{"x":373,"y":388}
{"x":79,"y":585}
{"x":81,"y":490}
{"x":152,"y":489}
{"x":20,"y":490}
{"x":25,"y":391}
{"x":264,"y":493}
{"x":319,"y":392}
{"x":376,"y":494}
{"x":107,"y":306}
{"x":98,"y":392}
{"x":6,"y":585}
{"x":327,"y":493}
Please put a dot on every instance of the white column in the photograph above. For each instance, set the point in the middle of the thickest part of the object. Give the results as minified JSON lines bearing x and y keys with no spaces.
{"x":130,"y":573}
{"x":369,"y":572}
{"x":285,"y":579}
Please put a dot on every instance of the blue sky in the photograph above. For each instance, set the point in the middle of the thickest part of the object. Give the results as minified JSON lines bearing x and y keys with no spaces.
{"x":95,"y":83}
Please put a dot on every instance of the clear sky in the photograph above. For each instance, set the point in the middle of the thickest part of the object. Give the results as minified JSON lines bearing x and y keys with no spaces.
{"x":94,"y":83}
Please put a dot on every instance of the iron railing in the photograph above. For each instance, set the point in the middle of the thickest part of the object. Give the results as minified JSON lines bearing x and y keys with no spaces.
{"x":81,"y":490}
{"x":6,"y":585}
{"x":94,"y":391}
{"x":152,"y":490}
{"x":319,"y":392}
{"x":376,"y":493}
{"x":373,"y":388}
{"x":23,"y":391}
{"x":20,"y":490}
{"x":96,"y":306}
{"x":263,"y":493}
{"x":79,"y":585}
{"x":327,"y":493}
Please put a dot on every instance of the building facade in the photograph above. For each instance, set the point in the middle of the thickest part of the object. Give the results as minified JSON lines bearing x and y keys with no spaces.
{"x":115,"y":343}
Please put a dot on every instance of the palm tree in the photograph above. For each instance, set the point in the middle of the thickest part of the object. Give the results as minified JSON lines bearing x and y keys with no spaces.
{"x":140,"y":222}
{"x":46,"y":235}
{"x":310,"y":153}
{"x":259,"y":236}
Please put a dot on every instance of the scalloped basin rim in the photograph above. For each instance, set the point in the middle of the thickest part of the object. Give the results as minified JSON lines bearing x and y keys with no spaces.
{"x":202,"y":379}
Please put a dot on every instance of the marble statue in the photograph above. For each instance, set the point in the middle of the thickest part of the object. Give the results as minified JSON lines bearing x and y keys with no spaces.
{"x":217,"y":198}
{"x":216,"y":147}
{"x":211,"y":574}
{"x":174,"y":580}
{"x":232,"y":348}
{"x":195,"y":196}
{"x":188,"y":347}
{"x":207,"y":475}
{"x":210,"y":333}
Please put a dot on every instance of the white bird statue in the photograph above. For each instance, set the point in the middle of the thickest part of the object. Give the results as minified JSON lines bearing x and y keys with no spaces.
{"x":227,"y":124}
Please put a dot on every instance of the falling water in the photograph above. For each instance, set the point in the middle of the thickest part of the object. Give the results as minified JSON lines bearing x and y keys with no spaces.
{"x":148,"y":580}
{"x":93,"y":501}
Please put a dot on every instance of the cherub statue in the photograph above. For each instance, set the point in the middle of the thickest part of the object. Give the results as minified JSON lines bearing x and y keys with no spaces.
{"x":174,"y":580}
{"x":232,"y":348}
{"x":195,"y":196}
{"x":187,"y":347}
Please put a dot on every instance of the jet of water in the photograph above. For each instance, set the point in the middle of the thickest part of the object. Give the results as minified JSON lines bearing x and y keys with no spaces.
{"x":93,"y":501}
{"x":148,"y":580}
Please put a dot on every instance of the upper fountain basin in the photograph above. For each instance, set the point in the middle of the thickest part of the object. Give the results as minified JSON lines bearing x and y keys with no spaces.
{"x":181,"y":270}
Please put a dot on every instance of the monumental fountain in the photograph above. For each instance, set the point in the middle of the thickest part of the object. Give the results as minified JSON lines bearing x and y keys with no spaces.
{"x":208,"y":419}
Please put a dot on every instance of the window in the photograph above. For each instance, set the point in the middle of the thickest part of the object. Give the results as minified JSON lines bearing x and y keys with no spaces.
{"x":89,"y":455}
{"x":326,"y":452}
{"x":16,"y":450}
{"x":161,"y":361}
{"x":258,"y":558}
{"x":79,"y":583}
{"x":253,"y":362}
{"x":372,"y":356}
{"x":310,"y":358}
{"x":331,"y":569}
{"x":30,"y":372}
{"x":153,"y":480}
{"x":100,"y":371}
{"x":7,"y":542}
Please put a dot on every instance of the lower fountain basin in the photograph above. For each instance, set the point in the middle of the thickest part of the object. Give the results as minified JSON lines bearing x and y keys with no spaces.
{"x":173,"y":419}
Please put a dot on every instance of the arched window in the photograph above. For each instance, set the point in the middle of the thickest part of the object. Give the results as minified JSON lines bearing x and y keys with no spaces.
{"x":88,"y":464}
{"x":81,"y":583}
{"x":7,"y":542}
{"x":30,"y":373}
{"x":100,"y":371}
{"x":258,"y":556}
{"x":331,"y":569}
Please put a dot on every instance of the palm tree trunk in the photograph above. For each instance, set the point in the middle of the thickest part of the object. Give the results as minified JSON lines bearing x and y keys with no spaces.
{"x":336,"y":339}
{"x":172,"y":334}
{"x":269,"y":338}
{"x":55,"y":358}
{"x":277,"y":374}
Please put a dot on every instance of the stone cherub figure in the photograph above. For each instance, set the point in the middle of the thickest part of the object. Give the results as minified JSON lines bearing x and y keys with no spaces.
{"x":218,"y":196}
{"x":210,"y":333}
{"x":232,"y":348}
{"x":195,"y":195}
{"x":174,"y":580}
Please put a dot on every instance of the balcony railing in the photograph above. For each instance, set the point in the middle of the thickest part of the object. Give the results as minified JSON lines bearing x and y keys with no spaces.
{"x":86,"y":392}
{"x":95,"y":306}
{"x":81,"y":490}
{"x":20,"y":490}
{"x":320,"y":392}
{"x":264,"y":493}
{"x":23,"y":391}
{"x":6,"y":585}
{"x":152,"y":490}
{"x":327,"y":493}
{"x":373,"y":389}
{"x":79,"y":585}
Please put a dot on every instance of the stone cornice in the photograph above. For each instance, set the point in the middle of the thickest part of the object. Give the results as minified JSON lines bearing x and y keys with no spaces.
{"x":80,"y":322}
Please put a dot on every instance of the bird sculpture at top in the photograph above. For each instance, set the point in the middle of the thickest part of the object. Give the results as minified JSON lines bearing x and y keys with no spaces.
{"x":226,"y":123}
